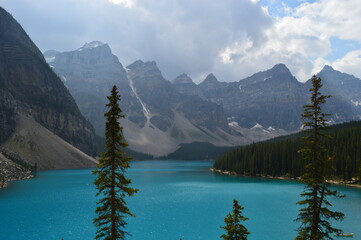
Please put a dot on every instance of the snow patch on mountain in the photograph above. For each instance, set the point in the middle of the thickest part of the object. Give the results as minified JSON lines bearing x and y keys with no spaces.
{"x":271,"y":129}
{"x":257,"y":126}
{"x":267,"y":78}
{"x":356,"y":103}
{"x":233,"y":124}
{"x":50,"y":59}
{"x":144,"y":107}
{"x":91,"y":45}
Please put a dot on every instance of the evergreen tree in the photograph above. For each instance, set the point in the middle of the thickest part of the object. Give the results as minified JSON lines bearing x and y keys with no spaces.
{"x":315,"y":215}
{"x":279,"y":157}
{"x":111,"y":183}
{"x":234,"y":229}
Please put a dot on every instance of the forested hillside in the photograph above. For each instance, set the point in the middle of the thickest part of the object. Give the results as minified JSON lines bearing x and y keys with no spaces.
{"x":280,"y":157}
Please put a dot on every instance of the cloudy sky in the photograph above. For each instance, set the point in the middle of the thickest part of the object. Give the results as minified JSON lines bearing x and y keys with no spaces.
{"x":230,"y":38}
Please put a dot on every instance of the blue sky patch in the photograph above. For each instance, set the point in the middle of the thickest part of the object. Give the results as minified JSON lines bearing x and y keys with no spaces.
{"x":277,"y":8}
{"x":341,"y":47}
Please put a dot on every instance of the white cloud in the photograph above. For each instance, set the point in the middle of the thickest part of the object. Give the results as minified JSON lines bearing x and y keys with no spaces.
{"x":333,"y":18}
{"x":125,"y":3}
{"x":231,"y":38}
{"x":350,"y":63}
{"x":301,"y":39}
{"x":328,"y":19}
{"x":236,"y":51}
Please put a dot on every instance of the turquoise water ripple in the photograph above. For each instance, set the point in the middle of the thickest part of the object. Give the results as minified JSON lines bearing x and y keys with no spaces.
{"x":176,"y":199}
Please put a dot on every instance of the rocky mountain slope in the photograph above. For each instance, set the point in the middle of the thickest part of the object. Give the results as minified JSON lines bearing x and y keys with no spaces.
{"x":159,"y":117}
{"x":270,"y":98}
{"x":170,"y":117}
{"x":31,"y":92}
{"x":273,"y":99}
{"x":12,"y":168}
{"x":89,"y":73}
{"x":41,"y":146}
{"x":163,"y":114}
{"x":345,"y":89}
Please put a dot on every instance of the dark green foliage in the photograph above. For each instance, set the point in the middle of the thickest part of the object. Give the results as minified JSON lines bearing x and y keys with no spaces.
{"x":279,"y":157}
{"x":187,"y":151}
{"x":197,"y":151}
{"x":111,"y":183}
{"x":234,"y":229}
{"x":138,"y":156}
{"x":99,"y":145}
{"x":100,"y":142}
{"x":315,"y":214}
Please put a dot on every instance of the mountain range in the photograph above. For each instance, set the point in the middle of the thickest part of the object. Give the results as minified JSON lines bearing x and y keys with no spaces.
{"x":52,"y":105}
{"x":161,"y":114}
{"x":45,"y":96}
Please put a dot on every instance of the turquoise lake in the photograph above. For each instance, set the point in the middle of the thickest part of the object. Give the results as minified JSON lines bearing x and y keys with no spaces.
{"x":177,"y":199}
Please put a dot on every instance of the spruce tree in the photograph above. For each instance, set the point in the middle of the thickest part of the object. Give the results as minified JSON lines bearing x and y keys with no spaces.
{"x":110,"y":181}
{"x":234,"y":229}
{"x":315,"y":215}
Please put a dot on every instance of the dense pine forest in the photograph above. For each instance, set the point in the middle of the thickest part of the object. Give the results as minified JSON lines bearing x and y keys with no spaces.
{"x":280,"y":157}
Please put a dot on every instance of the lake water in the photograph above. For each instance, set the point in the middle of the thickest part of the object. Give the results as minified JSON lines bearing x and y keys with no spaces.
{"x":176,"y":199}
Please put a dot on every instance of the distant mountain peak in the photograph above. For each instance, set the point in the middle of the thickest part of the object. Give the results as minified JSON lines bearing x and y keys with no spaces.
{"x":329,"y":74}
{"x":280,"y":67}
{"x":135,"y":65}
{"x":140,"y":64}
{"x":278,"y":75}
{"x":183,"y":75}
{"x":327,"y":68}
{"x":210,"y":79}
{"x":92,"y":45}
{"x":183,"y":78}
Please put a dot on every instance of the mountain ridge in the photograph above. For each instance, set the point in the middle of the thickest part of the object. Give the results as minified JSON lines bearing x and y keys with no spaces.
{"x":272,"y":100}
{"x":29,"y":89}
{"x":153,"y":106}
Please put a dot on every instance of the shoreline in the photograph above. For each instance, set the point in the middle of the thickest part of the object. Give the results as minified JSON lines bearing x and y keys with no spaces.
{"x":229,"y":173}
{"x":12,"y":168}
{"x":6,"y":181}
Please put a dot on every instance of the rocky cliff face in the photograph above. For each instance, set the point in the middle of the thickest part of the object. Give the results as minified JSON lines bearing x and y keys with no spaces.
{"x":28,"y":86}
{"x":10,"y":170}
{"x":154,"y":108}
{"x":344,"y":84}
{"x":185,"y":85}
{"x":345,"y":89}
{"x":162,"y":114}
{"x":162,"y":99}
{"x":89,"y":73}
{"x":273,"y":99}
{"x":7,"y":115}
